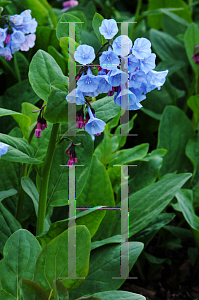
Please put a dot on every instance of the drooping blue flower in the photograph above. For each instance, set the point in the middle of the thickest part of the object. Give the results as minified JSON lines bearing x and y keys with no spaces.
{"x":17,"y":37}
{"x":88,"y":83}
{"x":84,"y":54}
{"x":3,"y":148}
{"x":94,"y":125}
{"x":155,"y":79}
{"x":3,"y":34}
{"x":16,"y":19}
{"x":104,"y":85}
{"x":29,"y":42}
{"x":147,"y":64}
{"x":92,"y":94}
{"x":141,"y":48}
{"x":76,"y":96}
{"x":122,"y":45}
{"x":138,"y":94}
{"x":137,"y":79}
{"x":109,"y":59}
{"x":117,"y":77}
{"x":132,"y":63}
{"x":108,"y":28}
{"x":127,"y":100}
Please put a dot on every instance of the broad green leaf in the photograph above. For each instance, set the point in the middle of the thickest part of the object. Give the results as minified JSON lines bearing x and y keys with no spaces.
{"x":64,"y":44}
{"x":81,"y":15}
{"x":31,"y":190}
{"x":126,"y":155}
{"x":27,"y":108}
{"x":58,"y":181}
{"x":60,"y":291}
{"x":104,"y":148}
{"x":46,"y":36}
{"x":8,"y":224}
{"x":174,"y":132}
{"x":156,"y":102}
{"x":8,"y":193}
{"x":179,"y":232}
{"x":42,"y":12}
{"x":167,"y":47}
{"x":185,"y":200}
{"x":29,"y":290}
{"x":44,"y":72}
{"x":89,"y":37}
{"x":22,"y":92}
{"x":191,"y":39}
{"x":182,"y":11}
{"x":52,"y":262}
{"x":118,"y":295}
{"x":60,"y":59}
{"x":146,"y":204}
{"x":156,"y":197}
{"x":22,"y":120}
{"x":88,"y":298}
{"x":18,"y":151}
{"x":116,"y":239}
{"x":192,"y":153}
{"x":105,"y":108}
{"x":18,"y":143}
{"x":145,"y":235}
{"x":93,"y":194}
{"x":125,"y":129}
{"x":21,"y":65}
{"x":171,"y":65}
{"x":64,"y":24}
{"x":96,"y":23}
{"x":10,"y":180}
{"x":146,"y":171}
{"x":4,"y":3}
{"x":40,"y":145}
{"x":173,"y":24}
{"x":105,"y":264}
{"x":91,"y":218}
{"x":193,"y":103}
{"x":155,"y":260}
{"x":57,"y":107}
{"x":21,"y":265}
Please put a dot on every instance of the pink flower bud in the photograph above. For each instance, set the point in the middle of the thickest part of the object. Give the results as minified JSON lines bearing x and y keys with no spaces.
{"x":38,"y":133}
{"x":7,"y":40}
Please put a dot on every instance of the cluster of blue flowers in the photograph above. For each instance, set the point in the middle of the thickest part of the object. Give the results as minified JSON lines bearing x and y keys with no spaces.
{"x":17,"y":34}
{"x":125,"y":69}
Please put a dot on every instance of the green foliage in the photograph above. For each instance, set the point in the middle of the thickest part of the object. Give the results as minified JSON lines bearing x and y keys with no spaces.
{"x":163,"y":172}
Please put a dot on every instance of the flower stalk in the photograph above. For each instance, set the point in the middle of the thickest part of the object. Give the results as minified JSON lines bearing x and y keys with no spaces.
{"x":45,"y":173}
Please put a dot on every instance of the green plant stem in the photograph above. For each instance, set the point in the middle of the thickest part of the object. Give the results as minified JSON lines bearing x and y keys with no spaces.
{"x":45,"y":173}
{"x":196,"y":237}
{"x":21,"y":195}
{"x":17,"y":72}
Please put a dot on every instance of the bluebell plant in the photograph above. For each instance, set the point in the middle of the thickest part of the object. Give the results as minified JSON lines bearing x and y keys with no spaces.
{"x":18,"y":33}
{"x":125,"y":69}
